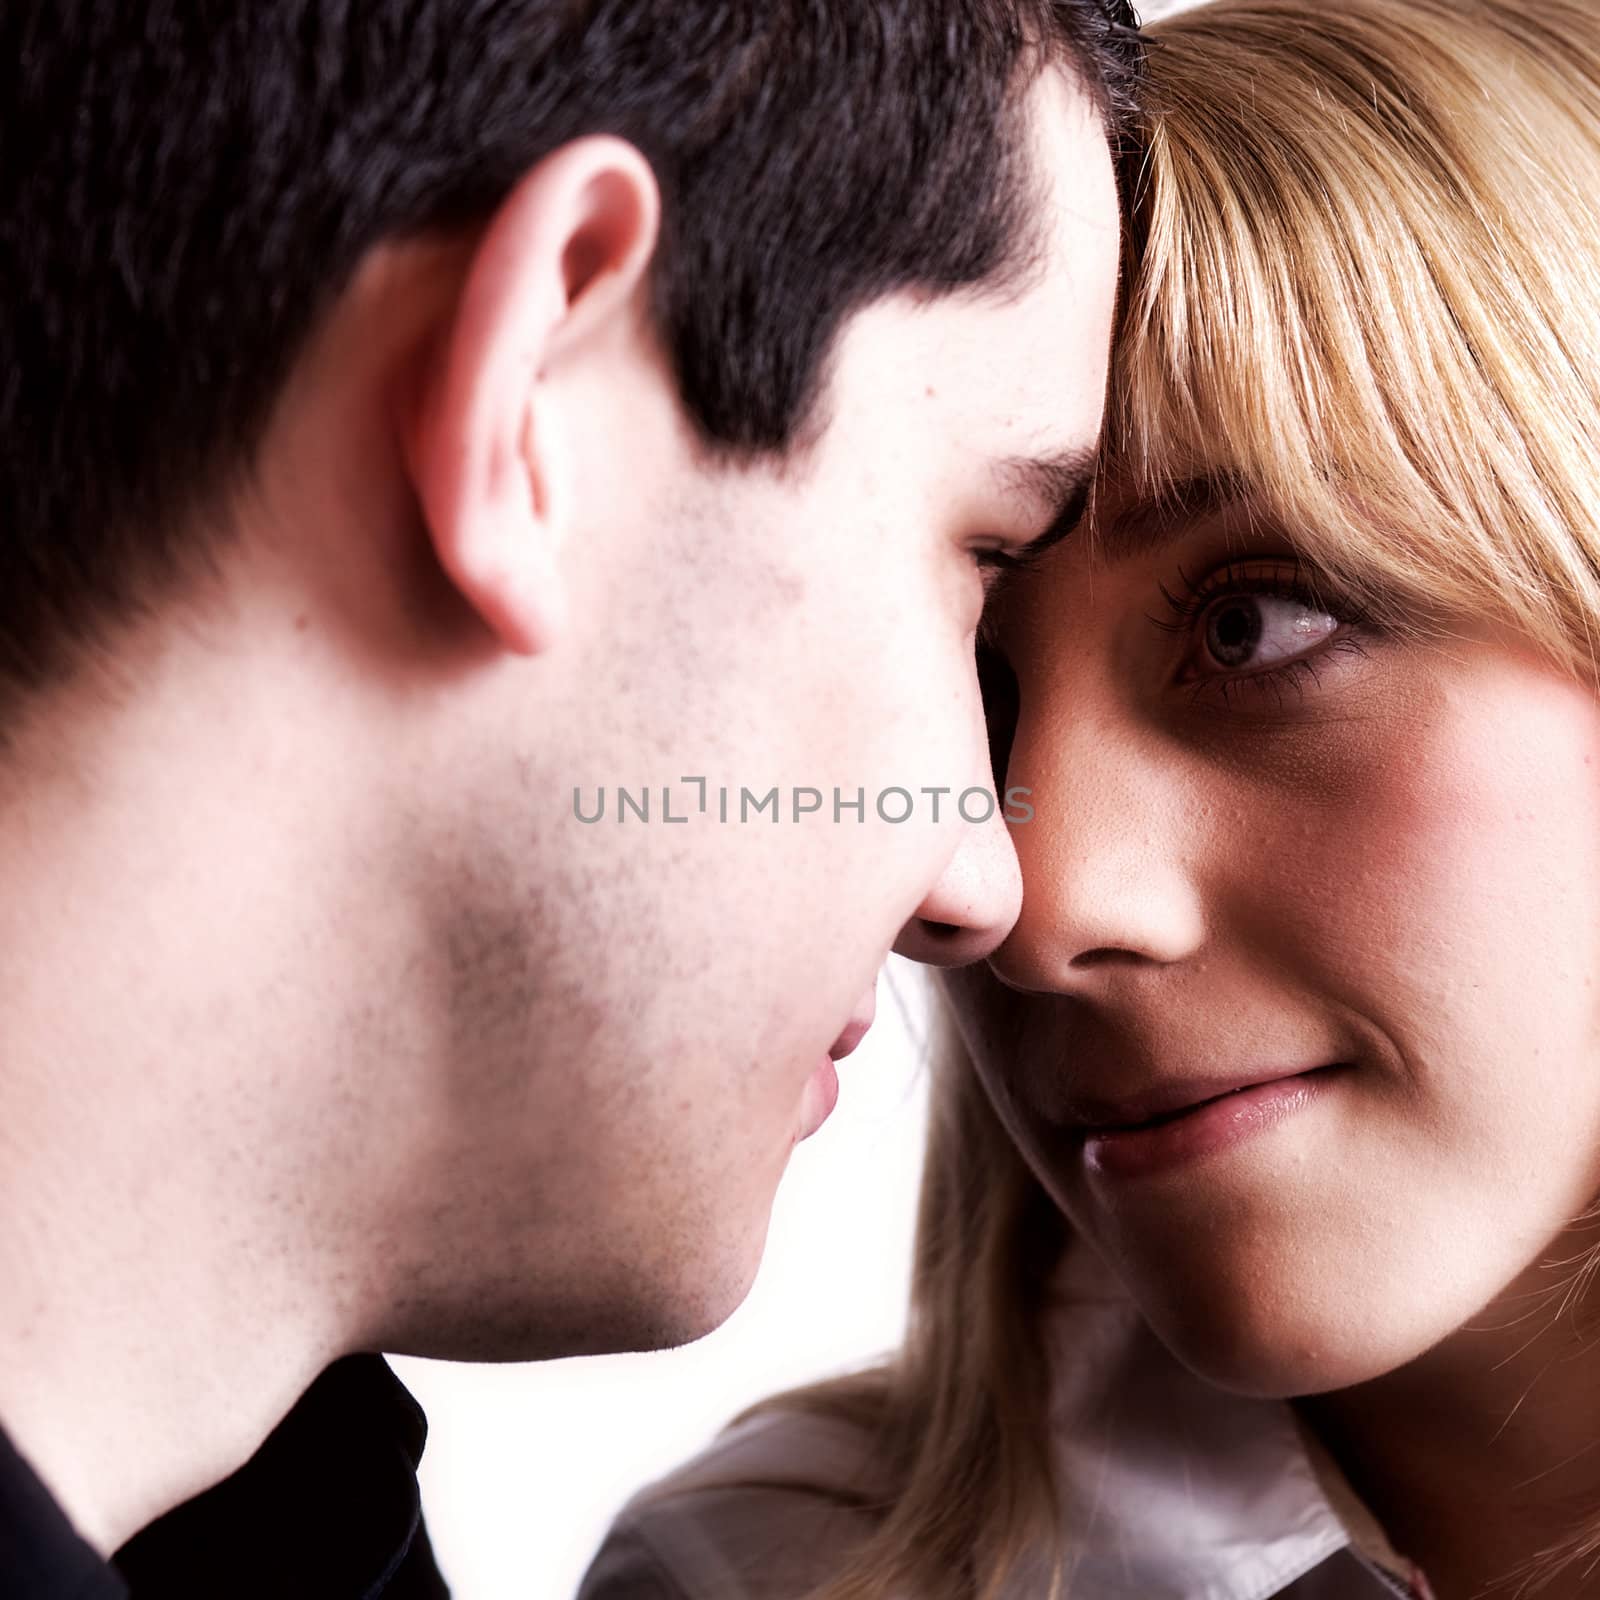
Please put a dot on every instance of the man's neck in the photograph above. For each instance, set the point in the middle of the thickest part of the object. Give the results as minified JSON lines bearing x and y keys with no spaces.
{"x":167,"y":1290}
{"x":151,"y":1332}
{"x":127,"y":1400}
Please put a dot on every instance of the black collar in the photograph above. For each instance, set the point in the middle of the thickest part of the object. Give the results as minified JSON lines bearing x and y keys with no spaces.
{"x":327,"y":1507}
{"x":42,"y":1556}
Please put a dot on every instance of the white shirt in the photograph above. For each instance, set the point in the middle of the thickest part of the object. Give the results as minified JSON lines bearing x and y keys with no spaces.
{"x":1170,"y":1489}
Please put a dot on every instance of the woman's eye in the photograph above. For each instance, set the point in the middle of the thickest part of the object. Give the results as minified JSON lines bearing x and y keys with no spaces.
{"x":1242,"y":632}
{"x":1259,"y":625}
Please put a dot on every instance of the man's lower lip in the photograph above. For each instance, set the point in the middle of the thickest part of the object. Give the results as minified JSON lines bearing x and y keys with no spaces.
{"x":1215,"y":1126}
{"x":821,"y":1096}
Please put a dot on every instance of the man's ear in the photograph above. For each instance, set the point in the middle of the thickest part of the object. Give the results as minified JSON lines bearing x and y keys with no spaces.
{"x":561,"y":260}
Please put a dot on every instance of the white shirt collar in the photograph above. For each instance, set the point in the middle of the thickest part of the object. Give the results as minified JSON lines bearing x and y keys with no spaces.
{"x":1173,"y":1489}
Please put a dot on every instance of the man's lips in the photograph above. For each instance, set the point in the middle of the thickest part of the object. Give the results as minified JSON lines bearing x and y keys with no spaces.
{"x":822,"y":1090}
{"x":1092,"y":1115}
{"x":855,"y":1030}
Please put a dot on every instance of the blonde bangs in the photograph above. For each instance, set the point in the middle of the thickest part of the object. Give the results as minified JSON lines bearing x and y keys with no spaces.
{"x":1368,"y":293}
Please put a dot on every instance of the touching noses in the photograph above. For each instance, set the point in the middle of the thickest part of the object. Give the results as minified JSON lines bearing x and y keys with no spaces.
{"x":1109,"y":861}
{"x":974,"y":903}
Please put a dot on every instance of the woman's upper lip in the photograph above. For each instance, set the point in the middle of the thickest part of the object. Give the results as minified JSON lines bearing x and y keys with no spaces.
{"x":1093,"y":1114}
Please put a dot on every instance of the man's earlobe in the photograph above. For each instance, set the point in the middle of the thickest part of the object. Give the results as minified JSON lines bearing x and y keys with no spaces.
{"x":560,"y":262}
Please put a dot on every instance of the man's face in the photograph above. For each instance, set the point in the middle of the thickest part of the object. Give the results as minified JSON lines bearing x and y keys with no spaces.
{"x":639,"y":1011}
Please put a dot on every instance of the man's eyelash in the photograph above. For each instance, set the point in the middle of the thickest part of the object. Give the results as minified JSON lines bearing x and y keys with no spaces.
{"x":999,"y":568}
{"x":1006,"y":560}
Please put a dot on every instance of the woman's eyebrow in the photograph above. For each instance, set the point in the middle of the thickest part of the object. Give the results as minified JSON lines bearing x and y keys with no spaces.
{"x":1141,"y":527}
{"x":1057,"y":487}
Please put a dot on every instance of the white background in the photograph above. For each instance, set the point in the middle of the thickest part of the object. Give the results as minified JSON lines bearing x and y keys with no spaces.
{"x":525,"y":1466}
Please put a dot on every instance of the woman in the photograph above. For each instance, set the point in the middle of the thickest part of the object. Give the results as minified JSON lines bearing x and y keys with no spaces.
{"x":1250,"y":1260}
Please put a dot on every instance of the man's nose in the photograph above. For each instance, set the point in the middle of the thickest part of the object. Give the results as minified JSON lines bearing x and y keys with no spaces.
{"x":974,"y":903}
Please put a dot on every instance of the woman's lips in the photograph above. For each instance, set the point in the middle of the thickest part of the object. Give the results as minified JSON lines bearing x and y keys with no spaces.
{"x":1171,"y":1137}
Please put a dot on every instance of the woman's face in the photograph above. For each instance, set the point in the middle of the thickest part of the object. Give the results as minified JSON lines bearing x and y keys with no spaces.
{"x":1274,"y":847}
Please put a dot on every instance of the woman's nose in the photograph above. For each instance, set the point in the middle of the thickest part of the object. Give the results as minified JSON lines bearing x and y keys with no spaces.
{"x":1108,"y":881}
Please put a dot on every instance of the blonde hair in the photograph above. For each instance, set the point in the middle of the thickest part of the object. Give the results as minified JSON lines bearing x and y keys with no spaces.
{"x":1370,"y":288}
{"x":954,"y":1418}
{"x":1367,"y":288}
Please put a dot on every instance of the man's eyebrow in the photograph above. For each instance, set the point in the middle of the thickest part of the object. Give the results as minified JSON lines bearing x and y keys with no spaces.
{"x":1144,"y":526}
{"x":1057,"y":488}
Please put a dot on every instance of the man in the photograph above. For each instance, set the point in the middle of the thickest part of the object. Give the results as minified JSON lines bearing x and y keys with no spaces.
{"x":422,"y":422}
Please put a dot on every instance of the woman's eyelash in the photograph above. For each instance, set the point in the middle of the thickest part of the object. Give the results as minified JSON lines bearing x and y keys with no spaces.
{"x":1290,"y":580}
{"x":1276,"y":680}
{"x":1286,"y":579}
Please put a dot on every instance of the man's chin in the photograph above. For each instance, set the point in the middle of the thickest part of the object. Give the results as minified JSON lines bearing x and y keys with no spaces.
{"x":645,"y":1291}
{"x":512,"y":1338}
{"x":668,"y":1322}
{"x":697,"y":1305}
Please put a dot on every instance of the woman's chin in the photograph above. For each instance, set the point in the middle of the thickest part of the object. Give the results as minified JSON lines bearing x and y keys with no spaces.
{"x":1285,"y":1351}
{"x":1281,"y":1374}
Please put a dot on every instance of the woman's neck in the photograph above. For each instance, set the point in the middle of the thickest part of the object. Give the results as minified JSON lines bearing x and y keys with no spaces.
{"x":1482,"y":1456}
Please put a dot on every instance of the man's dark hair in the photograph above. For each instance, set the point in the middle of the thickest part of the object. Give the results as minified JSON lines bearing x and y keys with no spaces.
{"x":186,"y":186}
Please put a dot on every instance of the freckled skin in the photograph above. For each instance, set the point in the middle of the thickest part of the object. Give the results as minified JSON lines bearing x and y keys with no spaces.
{"x":1396,"y":867}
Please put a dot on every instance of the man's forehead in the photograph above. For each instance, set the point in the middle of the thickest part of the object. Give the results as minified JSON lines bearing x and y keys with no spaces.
{"x":1013,"y":383}
{"x":1016,"y":380}
{"x":1071,"y":149}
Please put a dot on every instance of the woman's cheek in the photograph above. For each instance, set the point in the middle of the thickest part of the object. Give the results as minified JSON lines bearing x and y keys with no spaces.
{"x":1451,"y":887}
